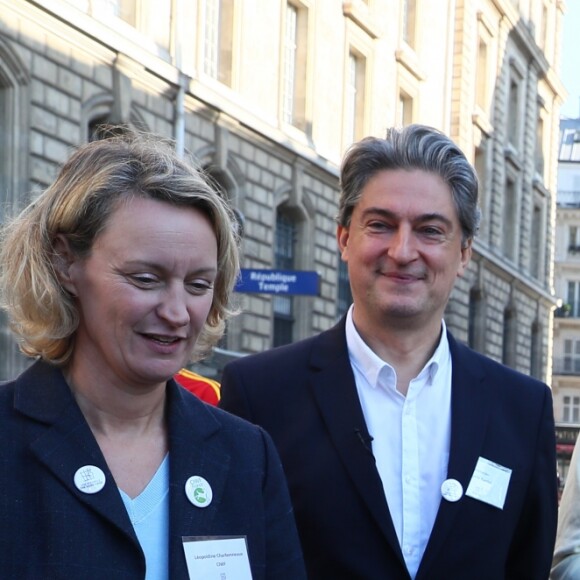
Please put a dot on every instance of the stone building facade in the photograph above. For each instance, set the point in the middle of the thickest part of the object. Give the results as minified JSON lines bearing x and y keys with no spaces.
{"x":267,"y":95}
{"x":566,"y":359}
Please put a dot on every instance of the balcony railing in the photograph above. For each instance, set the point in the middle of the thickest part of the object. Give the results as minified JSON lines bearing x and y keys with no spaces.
{"x":565,"y":311}
{"x":567,"y":365}
{"x":568,"y":197}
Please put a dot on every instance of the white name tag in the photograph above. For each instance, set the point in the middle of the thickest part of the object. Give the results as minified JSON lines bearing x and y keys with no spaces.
{"x":217,"y":558}
{"x":489,"y":482}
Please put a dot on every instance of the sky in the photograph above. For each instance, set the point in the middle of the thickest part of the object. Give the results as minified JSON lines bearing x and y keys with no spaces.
{"x":570,"y":71}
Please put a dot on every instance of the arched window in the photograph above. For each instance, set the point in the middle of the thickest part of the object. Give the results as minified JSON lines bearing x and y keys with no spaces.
{"x":14,"y":98}
{"x":509,"y":338}
{"x":536,"y":350}
{"x":101,"y":127}
{"x":101,"y":118}
{"x":476,"y":328}
{"x":284,"y":259}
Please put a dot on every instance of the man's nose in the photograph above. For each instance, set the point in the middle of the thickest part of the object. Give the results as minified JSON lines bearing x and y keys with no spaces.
{"x":402,"y":246}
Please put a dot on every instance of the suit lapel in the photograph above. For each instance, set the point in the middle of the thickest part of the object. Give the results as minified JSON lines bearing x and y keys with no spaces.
{"x":65,"y":443}
{"x":470,"y":409}
{"x":194,"y":451}
{"x":333,"y":386}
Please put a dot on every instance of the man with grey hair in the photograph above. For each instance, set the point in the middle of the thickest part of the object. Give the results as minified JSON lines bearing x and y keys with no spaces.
{"x":408,"y":455}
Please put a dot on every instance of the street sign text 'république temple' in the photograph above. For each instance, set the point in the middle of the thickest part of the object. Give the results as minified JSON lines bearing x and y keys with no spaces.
{"x":286,"y":282}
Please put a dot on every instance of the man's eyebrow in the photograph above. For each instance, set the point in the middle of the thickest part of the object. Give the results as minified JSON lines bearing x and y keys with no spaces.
{"x":378,"y":211}
{"x":434,"y":216}
{"x":426,"y":217}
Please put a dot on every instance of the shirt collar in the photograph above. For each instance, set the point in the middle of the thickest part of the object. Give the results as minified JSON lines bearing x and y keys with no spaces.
{"x":371,"y":365}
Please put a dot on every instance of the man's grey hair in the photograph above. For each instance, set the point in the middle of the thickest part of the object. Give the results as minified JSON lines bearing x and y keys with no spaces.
{"x":410,"y":148}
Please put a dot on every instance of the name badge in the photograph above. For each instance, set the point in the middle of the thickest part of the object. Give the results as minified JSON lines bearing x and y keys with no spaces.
{"x":489,"y":483}
{"x":217,"y":557}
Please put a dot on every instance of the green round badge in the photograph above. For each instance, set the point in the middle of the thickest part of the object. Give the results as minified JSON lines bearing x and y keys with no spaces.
{"x":198,"y":491}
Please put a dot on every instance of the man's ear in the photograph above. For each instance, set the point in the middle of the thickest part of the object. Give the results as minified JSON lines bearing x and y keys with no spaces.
{"x":342,"y":234}
{"x":466,"y":251}
{"x":62,"y":260}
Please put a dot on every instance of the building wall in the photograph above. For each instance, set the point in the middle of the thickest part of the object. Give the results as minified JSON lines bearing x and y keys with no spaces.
{"x":566,"y":337}
{"x":66,"y":64}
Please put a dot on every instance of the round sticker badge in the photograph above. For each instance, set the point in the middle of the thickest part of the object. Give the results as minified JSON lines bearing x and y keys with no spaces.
{"x":451,"y":490}
{"x":89,"y":479}
{"x":198,"y":491}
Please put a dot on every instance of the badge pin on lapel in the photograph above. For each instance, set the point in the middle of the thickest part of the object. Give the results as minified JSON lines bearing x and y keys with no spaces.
{"x":89,"y":479}
{"x":198,"y":491}
{"x":451,"y":490}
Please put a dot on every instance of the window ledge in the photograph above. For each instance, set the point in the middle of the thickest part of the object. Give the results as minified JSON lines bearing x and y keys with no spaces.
{"x":481,"y":120}
{"x":512,"y":155}
{"x":538,"y":183}
{"x":358,"y":12}
{"x":407,"y":57}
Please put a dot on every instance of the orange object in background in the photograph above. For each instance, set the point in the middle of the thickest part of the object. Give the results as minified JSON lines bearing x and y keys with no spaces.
{"x":206,"y":389}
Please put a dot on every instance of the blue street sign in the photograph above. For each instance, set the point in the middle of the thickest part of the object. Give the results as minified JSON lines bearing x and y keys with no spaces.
{"x":260,"y":281}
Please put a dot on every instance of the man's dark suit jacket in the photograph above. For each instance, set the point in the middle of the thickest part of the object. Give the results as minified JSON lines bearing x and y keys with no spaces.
{"x":50,"y":530}
{"x":305,"y":396}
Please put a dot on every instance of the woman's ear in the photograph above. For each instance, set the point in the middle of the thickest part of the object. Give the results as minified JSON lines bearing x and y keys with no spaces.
{"x":62,"y":260}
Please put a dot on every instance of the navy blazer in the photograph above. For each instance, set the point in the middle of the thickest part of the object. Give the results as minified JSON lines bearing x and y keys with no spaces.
{"x":304,"y":395}
{"x":51,"y":530}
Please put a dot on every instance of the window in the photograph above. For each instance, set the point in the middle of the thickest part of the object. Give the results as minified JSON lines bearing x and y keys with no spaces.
{"x":481,"y":165}
{"x":476,"y":328}
{"x":573,"y":241}
{"x":509,"y":338}
{"x":537,"y":242}
{"x":543,"y":28}
{"x":571,"y":410}
{"x":510,"y":219}
{"x":344,"y":292}
{"x":4,"y":148}
{"x":14,"y":100}
{"x":574,"y":298}
{"x":485,"y":55}
{"x":481,"y":75}
{"x":226,"y":187}
{"x":355,"y":98}
{"x":124,"y":9}
{"x":290,"y":49}
{"x":7,"y":344}
{"x":536,"y":351}
{"x":101,"y":128}
{"x":513,"y":114}
{"x":294,"y":70}
{"x":409,"y":22}
{"x":539,"y":147}
{"x":571,"y":356}
{"x":284,"y":253}
{"x":150,"y":19}
{"x":218,"y":39}
{"x":405,"y":109}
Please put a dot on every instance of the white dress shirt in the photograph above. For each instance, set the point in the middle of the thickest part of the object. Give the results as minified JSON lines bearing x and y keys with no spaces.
{"x":411,"y":437}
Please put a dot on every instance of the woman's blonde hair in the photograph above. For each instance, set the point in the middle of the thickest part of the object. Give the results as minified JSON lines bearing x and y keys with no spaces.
{"x":78,"y":206}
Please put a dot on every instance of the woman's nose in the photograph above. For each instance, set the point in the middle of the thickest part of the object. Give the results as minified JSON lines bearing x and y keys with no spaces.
{"x":173,"y":307}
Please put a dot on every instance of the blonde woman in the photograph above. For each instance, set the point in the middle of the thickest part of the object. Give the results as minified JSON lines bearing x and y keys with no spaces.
{"x":113,"y":279}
